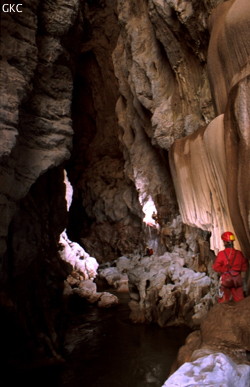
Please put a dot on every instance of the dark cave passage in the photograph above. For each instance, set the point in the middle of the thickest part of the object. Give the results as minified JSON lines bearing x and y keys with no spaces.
{"x":104,"y":348}
{"x":108,"y":350}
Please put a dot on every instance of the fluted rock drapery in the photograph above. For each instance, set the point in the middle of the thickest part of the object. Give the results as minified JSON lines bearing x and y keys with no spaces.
{"x":211,"y":168}
{"x":199,"y":171}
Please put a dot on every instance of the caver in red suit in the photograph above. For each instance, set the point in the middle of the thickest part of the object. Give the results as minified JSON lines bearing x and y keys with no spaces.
{"x":231,"y":260}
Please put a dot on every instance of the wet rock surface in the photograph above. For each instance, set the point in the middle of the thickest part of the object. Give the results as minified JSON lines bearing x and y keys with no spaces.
{"x":104,"y":347}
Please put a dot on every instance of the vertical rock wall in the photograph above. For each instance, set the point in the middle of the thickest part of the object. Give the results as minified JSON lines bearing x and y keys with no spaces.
{"x":160,"y":64}
{"x":160,"y":92}
{"x":36,"y":137}
{"x":36,"y":97}
{"x":105,"y":216}
{"x":211,"y":168}
{"x":229,"y":53}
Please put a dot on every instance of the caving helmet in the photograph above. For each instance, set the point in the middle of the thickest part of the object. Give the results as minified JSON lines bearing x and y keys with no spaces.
{"x":228,"y":236}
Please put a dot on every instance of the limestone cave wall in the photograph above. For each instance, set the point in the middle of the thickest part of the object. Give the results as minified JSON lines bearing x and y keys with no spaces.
{"x":105,"y":216}
{"x":133,"y":100}
{"x":107,"y":90}
{"x":215,"y":159}
{"x":36,"y":138}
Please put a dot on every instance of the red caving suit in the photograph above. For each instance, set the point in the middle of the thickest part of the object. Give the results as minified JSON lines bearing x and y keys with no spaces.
{"x":221,"y":265}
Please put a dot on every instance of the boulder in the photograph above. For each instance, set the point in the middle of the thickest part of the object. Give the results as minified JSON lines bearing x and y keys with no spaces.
{"x":107,"y":300}
{"x":213,"y":370}
{"x":218,"y":351}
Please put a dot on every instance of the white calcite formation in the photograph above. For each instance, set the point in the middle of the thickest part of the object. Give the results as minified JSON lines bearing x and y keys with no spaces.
{"x":116,"y":275}
{"x":213,"y":370}
{"x":84,"y":270}
{"x":79,"y":259}
{"x":162,"y":289}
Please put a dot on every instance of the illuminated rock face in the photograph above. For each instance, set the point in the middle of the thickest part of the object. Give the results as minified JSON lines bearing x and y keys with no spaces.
{"x":199,"y":171}
{"x":211,"y":167}
{"x":160,"y":64}
{"x":230,"y":87}
{"x":163,"y":289}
